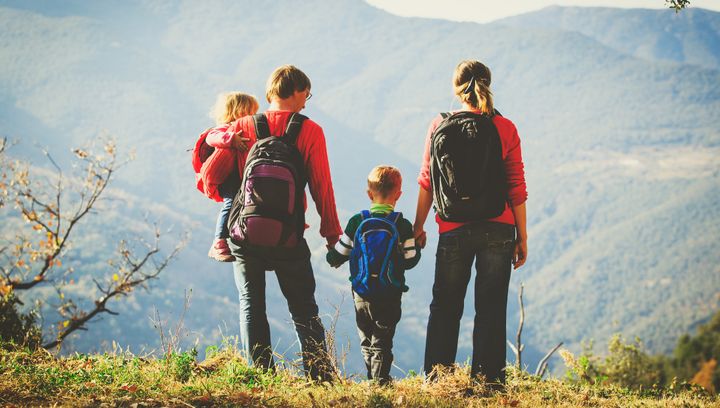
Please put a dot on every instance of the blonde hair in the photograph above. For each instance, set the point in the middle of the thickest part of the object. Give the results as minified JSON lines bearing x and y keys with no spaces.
{"x":472,"y":85}
{"x":285,"y":81}
{"x":384,"y":180}
{"x":232,"y":106}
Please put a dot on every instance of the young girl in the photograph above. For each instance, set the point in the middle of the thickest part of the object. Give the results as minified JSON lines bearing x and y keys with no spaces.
{"x":228,"y":108}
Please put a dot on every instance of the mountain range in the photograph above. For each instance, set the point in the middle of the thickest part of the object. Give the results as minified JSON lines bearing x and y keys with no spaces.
{"x":616,"y":109}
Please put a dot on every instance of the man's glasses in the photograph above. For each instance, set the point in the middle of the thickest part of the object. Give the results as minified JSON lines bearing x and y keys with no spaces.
{"x":307,"y":98}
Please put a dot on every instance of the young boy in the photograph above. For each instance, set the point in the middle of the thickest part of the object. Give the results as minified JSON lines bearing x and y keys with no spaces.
{"x":377,"y":314}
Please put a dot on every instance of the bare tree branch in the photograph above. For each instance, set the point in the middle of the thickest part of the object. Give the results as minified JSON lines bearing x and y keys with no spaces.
{"x":519,"y":348}
{"x":132,"y":278}
{"x":542,"y":365}
{"x":27,"y":262}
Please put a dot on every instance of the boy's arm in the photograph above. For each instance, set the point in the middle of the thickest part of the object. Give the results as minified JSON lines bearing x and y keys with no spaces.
{"x":338,"y":254}
{"x":411,"y":252}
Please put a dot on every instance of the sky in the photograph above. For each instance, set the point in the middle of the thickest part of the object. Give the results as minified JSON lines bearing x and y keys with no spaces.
{"x":484,"y":10}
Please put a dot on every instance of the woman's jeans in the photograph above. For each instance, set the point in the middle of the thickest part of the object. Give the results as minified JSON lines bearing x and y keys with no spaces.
{"x":227,"y":191}
{"x":490,"y":245}
{"x":297,"y":283}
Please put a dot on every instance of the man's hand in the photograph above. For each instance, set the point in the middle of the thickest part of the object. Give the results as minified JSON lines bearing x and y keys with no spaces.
{"x":331,"y":241}
{"x":520,"y":253}
{"x":239,"y":142}
{"x":420,"y":237}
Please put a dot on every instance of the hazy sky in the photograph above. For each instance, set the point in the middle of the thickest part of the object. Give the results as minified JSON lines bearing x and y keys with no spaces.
{"x":485,"y":10}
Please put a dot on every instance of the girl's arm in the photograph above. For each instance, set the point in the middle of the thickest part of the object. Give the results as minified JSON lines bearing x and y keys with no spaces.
{"x":225,"y":137}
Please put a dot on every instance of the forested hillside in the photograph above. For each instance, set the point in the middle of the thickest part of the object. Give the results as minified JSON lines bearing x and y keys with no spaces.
{"x":620,"y":140}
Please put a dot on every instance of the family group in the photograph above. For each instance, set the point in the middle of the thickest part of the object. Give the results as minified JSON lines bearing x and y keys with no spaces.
{"x":259,"y":164}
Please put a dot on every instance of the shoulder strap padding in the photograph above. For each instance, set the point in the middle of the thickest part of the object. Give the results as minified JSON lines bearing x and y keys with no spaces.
{"x":294,"y":127}
{"x":365,"y":214}
{"x":262,"y":129}
{"x":445,"y":115}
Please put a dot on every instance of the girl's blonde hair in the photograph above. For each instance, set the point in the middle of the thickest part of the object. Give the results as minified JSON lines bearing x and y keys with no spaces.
{"x":232,"y":106}
{"x":472,"y":85}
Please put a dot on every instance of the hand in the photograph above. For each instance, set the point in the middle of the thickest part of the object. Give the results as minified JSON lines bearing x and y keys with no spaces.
{"x":331,"y":241}
{"x":420,"y":237}
{"x":239,"y":142}
{"x":520,"y":253}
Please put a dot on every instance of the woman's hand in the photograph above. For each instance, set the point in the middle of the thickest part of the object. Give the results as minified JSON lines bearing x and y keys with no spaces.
{"x":520,"y":253}
{"x":420,"y":236}
{"x":239,"y":142}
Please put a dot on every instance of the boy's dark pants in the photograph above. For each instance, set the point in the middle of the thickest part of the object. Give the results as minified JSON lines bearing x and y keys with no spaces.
{"x":376,"y":322}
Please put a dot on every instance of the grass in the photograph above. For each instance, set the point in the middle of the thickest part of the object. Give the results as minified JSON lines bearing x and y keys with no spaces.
{"x":30,"y":378}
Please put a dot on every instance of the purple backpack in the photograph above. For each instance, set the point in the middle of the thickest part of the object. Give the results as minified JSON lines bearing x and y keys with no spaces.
{"x":268,"y":210}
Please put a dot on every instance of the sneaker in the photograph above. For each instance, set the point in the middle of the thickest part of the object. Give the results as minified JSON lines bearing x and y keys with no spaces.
{"x":220,"y":251}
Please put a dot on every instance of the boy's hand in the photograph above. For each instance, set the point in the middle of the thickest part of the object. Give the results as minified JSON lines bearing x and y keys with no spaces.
{"x":331,"y":241}
{"x":239,"y":142}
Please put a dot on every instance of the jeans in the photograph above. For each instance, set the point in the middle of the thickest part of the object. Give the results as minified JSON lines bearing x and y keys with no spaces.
{"x":227,"y":191}
{"x":490,"y":245}
{"x":297,"y":283}
{"x":376,"y":322}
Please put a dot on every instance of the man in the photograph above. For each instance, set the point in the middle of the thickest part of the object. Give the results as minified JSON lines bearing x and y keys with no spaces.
{"x":287,"y":91}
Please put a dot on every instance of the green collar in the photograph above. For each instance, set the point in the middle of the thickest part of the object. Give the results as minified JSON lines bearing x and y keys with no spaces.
{"x":381,"y":208}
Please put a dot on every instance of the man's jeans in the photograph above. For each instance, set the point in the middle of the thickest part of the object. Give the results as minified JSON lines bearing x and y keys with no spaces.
{"x":376,"y":322}
{"x":297,"y":283}
{"x":490,"y":245}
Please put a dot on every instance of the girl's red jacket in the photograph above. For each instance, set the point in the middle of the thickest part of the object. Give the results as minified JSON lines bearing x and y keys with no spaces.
{"x":312,"y":147}
{"x":208,"y":162}
{"x":514,"y":169}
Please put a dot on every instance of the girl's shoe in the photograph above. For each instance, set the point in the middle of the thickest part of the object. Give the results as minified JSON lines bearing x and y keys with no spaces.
{"x":220,"y":251}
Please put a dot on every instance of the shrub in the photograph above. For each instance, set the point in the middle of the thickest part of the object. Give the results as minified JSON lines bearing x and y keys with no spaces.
{"x":17,"y":327}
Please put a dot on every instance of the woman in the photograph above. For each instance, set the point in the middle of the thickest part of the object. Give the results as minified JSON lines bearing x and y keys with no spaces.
{"x":492,"y":244}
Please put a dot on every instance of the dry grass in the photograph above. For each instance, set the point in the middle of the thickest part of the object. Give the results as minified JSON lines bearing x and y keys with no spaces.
{"x":224,"y":379}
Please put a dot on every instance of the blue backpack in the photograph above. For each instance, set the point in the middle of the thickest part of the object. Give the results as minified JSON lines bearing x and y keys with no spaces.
{"x":374,"y":260}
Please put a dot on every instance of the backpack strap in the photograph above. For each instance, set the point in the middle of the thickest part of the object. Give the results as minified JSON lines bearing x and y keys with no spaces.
{"x":496,"y":112}
{"x":294,"y":127}
{"x":365,"y":214}
{"x":445,"y":115}
{"x":262,"y":129}
{"x":394,"y":217}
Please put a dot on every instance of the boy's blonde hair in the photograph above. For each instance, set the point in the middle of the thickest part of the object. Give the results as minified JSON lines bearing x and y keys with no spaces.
{"x":285,"y":81}
{"x":232,"y":106}
{"x":384,"y":180}
{"x":472,"y":85}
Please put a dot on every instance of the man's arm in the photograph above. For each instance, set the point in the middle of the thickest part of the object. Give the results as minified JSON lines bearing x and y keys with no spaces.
{"x":321,"y":189}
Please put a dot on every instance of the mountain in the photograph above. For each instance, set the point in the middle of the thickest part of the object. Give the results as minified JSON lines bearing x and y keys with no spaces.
{"x":691,"y":37}
{"x":620,"y":147}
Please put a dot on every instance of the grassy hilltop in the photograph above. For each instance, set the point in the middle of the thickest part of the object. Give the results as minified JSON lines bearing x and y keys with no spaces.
{"x":224,"y":379}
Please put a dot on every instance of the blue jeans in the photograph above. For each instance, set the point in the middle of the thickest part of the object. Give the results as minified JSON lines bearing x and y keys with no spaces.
{"x":297,"y":283}
{"x":490,"y":245}
{"x":227,"y":192}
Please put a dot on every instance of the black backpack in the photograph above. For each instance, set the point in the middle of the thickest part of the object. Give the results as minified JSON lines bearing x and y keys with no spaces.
{"x":268,"y":209}
{"x":466,"y":168}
